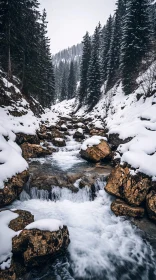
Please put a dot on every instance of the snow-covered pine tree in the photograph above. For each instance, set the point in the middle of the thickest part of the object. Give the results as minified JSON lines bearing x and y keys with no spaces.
{"x":84,"y":69}
{"x":135,"y":41}
{"x":113,"y":72}
{"x":71,"y":81}
{"x":107,"y":36}
{"x":94,"y":71}
{"x":64,"y":86}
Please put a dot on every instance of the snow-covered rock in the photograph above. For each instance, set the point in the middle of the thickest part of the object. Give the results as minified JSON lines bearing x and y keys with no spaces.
{"x":95,"y":149}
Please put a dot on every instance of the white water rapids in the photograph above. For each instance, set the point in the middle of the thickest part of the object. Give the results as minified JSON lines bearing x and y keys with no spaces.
{"x":102,"y":246}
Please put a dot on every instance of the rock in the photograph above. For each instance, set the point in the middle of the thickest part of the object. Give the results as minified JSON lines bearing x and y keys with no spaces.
{"x":22,"y":138}
{"x":63,"y":127}
{"x":47,"y":181}
{"x":36,"y":247}
{"x":133,"y":189}
{"x":96,"y":131}
{"x":8,"y":274}
{"x":151,"y":205}
{"x":59,"y":142}
{"x":87,"y":181}
{"x":79,"y":134}
{"x":22,"y":220}
{"x":49,"y":133}
{"x":13,"y":188}
{"x":120,"y":208}
{"x":115,"y":140}
{"x":33,"y":150}
{"x":96,"y":152}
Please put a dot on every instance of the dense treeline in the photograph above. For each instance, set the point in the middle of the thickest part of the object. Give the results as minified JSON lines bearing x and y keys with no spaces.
{"x":25,"y":48}
{"x":120,"y":50}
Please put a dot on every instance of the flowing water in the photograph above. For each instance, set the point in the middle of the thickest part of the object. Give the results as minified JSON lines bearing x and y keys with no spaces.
{"x":102,"y":246}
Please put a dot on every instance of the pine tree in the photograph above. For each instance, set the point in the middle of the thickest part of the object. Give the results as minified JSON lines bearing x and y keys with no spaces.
{"x":84,"y":68}
{"x":71,"y":81}
{"x":94,"y":71}
{"x":135,"y":42}
{"x":64,"y":86}
{"x":113,"y":72}
{"x":107,"y":35}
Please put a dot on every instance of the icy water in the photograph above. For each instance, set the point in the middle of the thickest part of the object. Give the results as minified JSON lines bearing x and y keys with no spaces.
{"x":103,"y":247}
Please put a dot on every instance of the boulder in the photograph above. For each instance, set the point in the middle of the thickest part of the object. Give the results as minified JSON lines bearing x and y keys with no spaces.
{"x":8,"y":274}
{"x":33,"y":150}
{"x":63,"y":127}
{"x":59,"y":142}
{"x":47,"y":181}
{"x":79,"y":134}
{"x":22,"y":138}
{"x":22,"y":220}
{"x":13,"y":188}
{"x":95,"y":131}
{"x":133,"y":189}
{"x":96,"y":153}
{"x":151,"y":205}
{"x":120,"y":208}
{"x":37,"y":246}
{"x":115,"y":140}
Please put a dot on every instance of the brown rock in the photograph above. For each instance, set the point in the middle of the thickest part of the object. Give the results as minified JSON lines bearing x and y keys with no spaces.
{"x":13,"y":188}
{"x":33,"y":150}
{"x":59,"y":142}
{"x":96,"y":153}
{"x":133,"y":189}
{"x":120,"y":208}
{"x":22,"y":220}
{"x":22,"y":138}
{"x":8,"y":274}
{"x":99,"y":132}
{"x":151,"y":205}
{"x":37,"y":247}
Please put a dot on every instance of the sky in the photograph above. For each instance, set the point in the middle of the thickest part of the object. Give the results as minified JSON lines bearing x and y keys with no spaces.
{"x":68,"y":20}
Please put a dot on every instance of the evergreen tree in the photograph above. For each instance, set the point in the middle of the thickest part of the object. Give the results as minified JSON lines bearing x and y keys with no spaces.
{"x":135,"y":42}
{"x":64,"y":86}
{"x":94,"y":71}
{"x":84,"y":68}
{"x":107,"y":35}
{"x":71,"y":81}
{"x":113,"y":72}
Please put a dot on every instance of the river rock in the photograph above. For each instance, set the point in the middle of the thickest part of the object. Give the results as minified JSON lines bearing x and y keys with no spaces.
{"x":115,"y":140}
{"x":59,"y":142}
{"x":8,"y":274}
{"x":13,"y":188}
{"x":79,"y":134}
{"x":151,"y":205}
{"x":47,"y":181}
{"x":22,"y":220}
{"x":95,"y":131}
{"x":133,"y":189}
{"x":33,"y":150}
{"x":120,"y":208}
{"x":96,"y":152}
{"x":36,"y":246}
{"x":22,"y":138}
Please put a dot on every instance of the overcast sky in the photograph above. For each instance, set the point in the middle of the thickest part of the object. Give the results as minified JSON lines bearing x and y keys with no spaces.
{"x":70,"y":19}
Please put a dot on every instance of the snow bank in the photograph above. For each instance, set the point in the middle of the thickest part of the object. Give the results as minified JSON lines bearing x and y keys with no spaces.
{"x":92,"y":141}
{"x":6,"y":235}
{"x":46,"y":224}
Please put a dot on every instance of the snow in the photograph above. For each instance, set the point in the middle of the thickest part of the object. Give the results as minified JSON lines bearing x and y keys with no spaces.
{"x":46,"y":224}
{"x":6,"y":235}
{"x":59,"y":139}
{"x":92,"y":141}
{"x":80,"y":130}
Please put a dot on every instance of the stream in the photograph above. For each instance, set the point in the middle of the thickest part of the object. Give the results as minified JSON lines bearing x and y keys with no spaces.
{"x":103,"y":246}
